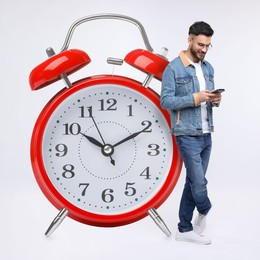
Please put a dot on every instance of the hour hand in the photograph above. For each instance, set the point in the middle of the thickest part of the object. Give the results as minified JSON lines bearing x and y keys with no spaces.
{"x":93,"y":140}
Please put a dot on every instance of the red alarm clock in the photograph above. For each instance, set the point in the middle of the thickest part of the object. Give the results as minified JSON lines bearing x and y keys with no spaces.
{"x":101,"y":150}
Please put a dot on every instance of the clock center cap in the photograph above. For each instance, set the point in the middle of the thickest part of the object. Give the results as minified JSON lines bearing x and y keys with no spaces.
{"x":107,"y":150}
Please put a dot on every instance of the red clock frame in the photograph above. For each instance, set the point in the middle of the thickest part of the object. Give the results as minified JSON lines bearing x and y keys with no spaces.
{"x":56,"y":198}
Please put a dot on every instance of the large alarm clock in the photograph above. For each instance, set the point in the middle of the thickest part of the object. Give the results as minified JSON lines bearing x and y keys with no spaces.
{"x":101,"y":149}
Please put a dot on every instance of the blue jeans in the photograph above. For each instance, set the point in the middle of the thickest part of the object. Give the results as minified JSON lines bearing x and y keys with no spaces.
{"x":195,"y":152}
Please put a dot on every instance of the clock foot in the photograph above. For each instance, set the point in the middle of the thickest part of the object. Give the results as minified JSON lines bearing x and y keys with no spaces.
{"x":56,"y":222}
{"x":159,"y":222}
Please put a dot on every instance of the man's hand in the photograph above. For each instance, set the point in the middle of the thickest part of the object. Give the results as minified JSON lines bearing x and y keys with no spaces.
{"x":216,"y":99}
{"x":206,"y":95}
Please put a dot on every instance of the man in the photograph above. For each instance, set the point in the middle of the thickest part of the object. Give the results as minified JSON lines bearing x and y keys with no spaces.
{"x":186,"y":92}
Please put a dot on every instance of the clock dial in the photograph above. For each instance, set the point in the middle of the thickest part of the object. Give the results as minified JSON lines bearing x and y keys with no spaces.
{"x":103,"y":148}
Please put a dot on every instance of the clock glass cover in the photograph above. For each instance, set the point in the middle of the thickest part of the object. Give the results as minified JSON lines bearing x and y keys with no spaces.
{"x":105,"y":149}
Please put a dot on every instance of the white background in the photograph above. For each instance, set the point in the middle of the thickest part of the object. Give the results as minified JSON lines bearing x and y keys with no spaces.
{"x":28,"y":27}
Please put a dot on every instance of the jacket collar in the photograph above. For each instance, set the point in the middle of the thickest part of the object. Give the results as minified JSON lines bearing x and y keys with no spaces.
{"x":184,"y":59}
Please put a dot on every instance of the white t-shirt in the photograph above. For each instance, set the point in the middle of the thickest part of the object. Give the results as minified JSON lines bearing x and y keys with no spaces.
{"x":202,"y":83}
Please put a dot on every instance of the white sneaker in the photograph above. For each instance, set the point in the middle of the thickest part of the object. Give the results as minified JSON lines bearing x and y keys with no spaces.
{"x":193,"y":237}
{"x":199,"y":223}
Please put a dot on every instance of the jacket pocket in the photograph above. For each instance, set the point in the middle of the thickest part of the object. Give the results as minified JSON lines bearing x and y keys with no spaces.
{"x":184,"y":86}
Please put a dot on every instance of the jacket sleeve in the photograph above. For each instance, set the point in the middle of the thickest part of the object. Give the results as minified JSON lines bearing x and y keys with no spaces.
{"x":169,"y":100}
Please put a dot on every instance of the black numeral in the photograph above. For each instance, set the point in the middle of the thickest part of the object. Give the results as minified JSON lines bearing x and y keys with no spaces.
{"x":130,"y":191}
{"x":68,"y":171}
{"x":85,"y":185}
{"x":109,"y":105}
{"x":146,"y":129}
{"x":154,"y":149}
{"x":146,"y":173}
{"x":72,"y":129}
{"x":85,"y":112}
{"x":107,"y":195}
{"x":130,"y":110}
{"x":61,"y":149}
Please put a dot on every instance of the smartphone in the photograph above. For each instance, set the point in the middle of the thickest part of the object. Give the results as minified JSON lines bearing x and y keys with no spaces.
{"x":219,"y":90}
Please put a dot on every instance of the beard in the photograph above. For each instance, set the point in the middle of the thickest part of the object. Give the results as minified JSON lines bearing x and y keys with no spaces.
{"x":199,"y":55}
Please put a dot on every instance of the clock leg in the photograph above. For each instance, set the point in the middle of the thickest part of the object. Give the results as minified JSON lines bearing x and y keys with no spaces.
{"x":158,"y":221}
{"x":56,"y":222}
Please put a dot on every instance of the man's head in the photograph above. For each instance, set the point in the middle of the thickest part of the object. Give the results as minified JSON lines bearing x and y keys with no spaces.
{"x":199,"y":40}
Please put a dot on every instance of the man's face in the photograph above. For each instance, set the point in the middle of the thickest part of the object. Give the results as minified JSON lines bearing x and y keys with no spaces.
{"x":199,"y":45}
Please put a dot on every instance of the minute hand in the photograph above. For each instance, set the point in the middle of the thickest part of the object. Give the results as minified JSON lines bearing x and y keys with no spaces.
{"x":129,"y":137}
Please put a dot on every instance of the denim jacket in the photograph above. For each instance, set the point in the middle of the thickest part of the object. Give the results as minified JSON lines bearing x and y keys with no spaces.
{"x":179,"y":83}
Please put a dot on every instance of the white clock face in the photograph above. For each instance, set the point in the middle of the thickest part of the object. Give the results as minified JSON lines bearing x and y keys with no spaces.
{"x":107,"y":149}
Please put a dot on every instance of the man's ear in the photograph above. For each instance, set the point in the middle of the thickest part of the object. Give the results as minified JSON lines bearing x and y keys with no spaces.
{"x":189,"y":40}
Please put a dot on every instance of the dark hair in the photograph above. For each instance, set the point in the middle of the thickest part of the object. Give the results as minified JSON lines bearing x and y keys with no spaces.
{"x":201,"y":28}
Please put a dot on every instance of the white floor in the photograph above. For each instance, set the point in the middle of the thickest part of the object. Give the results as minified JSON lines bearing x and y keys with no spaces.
{"x":233,"y":226}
